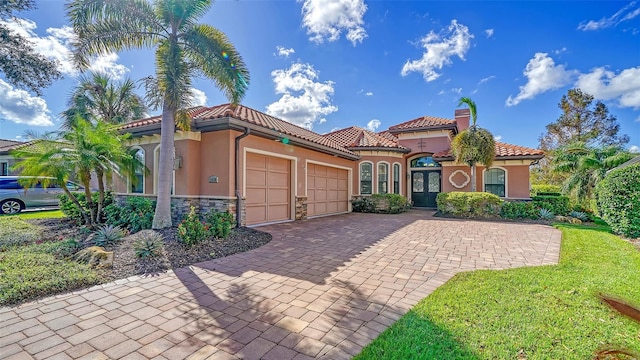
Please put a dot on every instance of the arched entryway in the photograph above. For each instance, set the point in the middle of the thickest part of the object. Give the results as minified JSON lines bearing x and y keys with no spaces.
{"x":425,"y":180}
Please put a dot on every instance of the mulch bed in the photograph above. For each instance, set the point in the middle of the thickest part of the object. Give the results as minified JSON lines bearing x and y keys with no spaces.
{"x":174,"y":253}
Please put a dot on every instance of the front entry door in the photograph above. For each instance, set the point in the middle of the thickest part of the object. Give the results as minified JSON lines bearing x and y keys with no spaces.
{"x":425,"y":186}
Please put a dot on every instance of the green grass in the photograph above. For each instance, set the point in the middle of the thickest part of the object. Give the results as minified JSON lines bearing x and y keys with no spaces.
{"x":32,"y":271}
{"x":548,"y":312}
{"x":44,"y":214}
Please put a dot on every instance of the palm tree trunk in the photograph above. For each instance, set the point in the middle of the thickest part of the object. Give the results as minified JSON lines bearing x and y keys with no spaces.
{"x":75,"y":201}
{"x":162,"y":216}
{"x":473,"y":177}
{"x":85,"y":179}
{"x":100,"y":176}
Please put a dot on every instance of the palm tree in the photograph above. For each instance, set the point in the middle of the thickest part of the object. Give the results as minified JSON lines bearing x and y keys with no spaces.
{"x":98,"y":96}
{"x":183,"y":49}
{"x":585,"y":166}
{"x":85,"y":148}
{"x":473,"y":145}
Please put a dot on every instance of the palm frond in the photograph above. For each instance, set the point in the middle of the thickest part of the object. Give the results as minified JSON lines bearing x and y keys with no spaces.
{"x":473,"y":110}
{"x":218,"y":60}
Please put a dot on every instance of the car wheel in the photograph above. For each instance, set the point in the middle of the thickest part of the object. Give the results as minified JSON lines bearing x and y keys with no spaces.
{"x":10,"y":207}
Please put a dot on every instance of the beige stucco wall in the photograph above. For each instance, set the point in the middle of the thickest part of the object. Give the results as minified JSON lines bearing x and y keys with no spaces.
{"x":426,"y":145}
{"x":381,"y":157}
{"x":517,"y":179}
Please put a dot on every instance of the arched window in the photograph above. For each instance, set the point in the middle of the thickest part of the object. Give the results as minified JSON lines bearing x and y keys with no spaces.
{"x":494,"y":181}
{"x":366,"y":178}
{"x":383,"y":178}
{"x":396,"y":178}
{"x":424,"y":161}
{"x":137,"y":178}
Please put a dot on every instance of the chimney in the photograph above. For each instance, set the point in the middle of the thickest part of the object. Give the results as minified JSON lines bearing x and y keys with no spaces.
{"x":462,"y":117}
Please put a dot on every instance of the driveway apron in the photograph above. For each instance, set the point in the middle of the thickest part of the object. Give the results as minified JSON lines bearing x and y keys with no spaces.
{"x":322,"y":288}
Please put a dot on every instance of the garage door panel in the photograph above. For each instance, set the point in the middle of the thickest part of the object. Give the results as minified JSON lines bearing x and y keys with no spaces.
{"x":268,"y":189}
{"x":327,"y":190}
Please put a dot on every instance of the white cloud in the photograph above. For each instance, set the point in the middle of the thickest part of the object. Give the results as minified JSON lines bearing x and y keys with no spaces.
{"x":335,"y":129}
{"x":56,"y":45}
{"x":304,"y":99}
{"x":607,"y":85}
{"x":20,"y":107}
{"x":327,"y":19}
{"x":322,"y":121}
{"x":373,"y":125}
{"x":440,"y":48}
{"x":369,"y":93}
{"x":198,"y":97}
{"x":282,"y":51}
{"x":456,"y":90}
{"x":634,"y":149}
{"x":628,"y":12}
{"x":441,"y":92}
{"x":497,"y":137}
{"x":560,"y":51}
{"x":488,"y":78}
{"x":489,"y":33}
{"x":542,"y":75}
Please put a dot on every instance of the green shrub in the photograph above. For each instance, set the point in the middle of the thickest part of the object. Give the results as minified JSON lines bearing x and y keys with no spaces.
{"x":148,"y":244}
{"x":28,"y":272}
{"x":363,"y":204}
{"x":135,"y":214}
{"x":15,"y":231}
{"x":546,"y":214}
{"x":65,"y":249}
{"x":618,"y":199}
{"x":469,"y":204}
{"x":518,"y":210}
{"x":558,"y":205}
{"x":191,"y":230}
{"x":108,"y":234}
{"x":545,"y":189}
{"x":381,"y":203}
{"x":219,"y":223}
{"x":71,"y":210}
{"x":579,"y":215}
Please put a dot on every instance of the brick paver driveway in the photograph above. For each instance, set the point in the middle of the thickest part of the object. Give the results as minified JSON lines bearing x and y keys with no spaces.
{"x":322,"y":288}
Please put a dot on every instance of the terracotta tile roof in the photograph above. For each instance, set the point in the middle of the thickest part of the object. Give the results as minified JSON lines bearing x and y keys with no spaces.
{"x":502,"y":150}
{"x":423,"y":122}
{"x":6,"y":143}
{"x":251,"y":116}
{"x":13,"y":145}
{"x":357,"y":137}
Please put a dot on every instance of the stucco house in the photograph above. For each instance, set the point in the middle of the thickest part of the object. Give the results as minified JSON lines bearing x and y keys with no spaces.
{"x":238,"y":157}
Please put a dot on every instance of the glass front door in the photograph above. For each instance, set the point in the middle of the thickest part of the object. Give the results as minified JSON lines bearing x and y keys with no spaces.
{"x":425,"y":186}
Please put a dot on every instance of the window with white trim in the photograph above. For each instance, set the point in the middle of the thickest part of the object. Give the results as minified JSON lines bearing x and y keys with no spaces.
{"x":396,"y":178}
{"x":137,"y":178}
{"x":383,"y":178}
{"x":366,"y":178}
{"x":494,"y":182}
{"x":4,"y":168}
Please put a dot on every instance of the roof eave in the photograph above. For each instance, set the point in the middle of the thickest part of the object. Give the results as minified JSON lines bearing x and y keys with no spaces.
{"x":452,"y":127}
{"x":226,"y":123}
{"x":515,"y":157}
{"x":378,"y":148}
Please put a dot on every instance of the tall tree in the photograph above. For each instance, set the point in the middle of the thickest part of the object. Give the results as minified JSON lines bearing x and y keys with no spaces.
{"x":21,"y":65}
{"x":183,"y":49}
{"x":582,"y":121}
{"x":98,"y":96}
{"x":473,"y":145}
{"x":584,"y":166}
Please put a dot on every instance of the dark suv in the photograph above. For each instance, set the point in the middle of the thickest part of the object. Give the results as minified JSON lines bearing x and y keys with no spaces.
{"x":15,"y":198}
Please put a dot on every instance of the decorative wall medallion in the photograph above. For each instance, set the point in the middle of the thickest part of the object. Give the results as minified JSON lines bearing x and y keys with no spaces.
{"x":459,"y":186}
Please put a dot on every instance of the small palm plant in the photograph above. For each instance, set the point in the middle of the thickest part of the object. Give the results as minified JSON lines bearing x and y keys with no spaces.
{"x":149,"y":244}
{"x":546,"y":214}
{"x":108,"y":234}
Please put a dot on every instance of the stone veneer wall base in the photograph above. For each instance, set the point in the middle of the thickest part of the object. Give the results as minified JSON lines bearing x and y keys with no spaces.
{"x":180,"y":205}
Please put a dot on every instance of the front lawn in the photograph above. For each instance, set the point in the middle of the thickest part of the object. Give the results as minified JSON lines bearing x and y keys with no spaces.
{"x":548,"y":312}
{"x":32,"y":271}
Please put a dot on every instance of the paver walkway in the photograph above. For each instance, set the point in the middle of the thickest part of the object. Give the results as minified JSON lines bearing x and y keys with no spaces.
{"x":322,"y":288}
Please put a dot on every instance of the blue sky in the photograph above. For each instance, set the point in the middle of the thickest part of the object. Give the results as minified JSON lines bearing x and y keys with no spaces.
{"x":328,"y":64}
